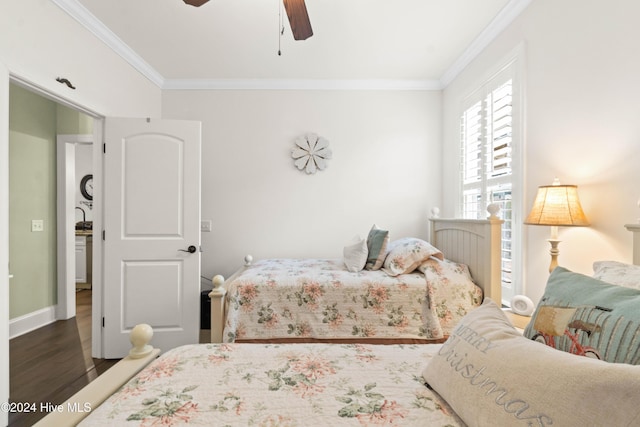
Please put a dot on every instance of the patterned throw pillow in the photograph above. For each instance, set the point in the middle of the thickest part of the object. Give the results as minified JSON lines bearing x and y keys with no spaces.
{"x":377,"y":242}
{"x":582,"y":315}
{"x":406,"y":254}
{"x":493,"y":376}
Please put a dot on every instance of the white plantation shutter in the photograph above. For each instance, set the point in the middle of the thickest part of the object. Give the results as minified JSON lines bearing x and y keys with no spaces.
{"x":500,"y":121}
{"x":487,"y":137}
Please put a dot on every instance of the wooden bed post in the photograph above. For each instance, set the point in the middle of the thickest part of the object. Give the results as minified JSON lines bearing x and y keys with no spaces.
{"x":635,"y":229}
{"x":217,"y":295}
{"x":217,"y":308}
{"x":494,"y":278}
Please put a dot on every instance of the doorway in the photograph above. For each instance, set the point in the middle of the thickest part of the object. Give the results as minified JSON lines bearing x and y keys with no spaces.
{"x":68,"y":131}
{"x":75,"y":216}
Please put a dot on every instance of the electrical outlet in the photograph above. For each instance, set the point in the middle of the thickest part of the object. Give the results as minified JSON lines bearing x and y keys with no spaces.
{"x":205,"y":225}
{"x":37,"y":225}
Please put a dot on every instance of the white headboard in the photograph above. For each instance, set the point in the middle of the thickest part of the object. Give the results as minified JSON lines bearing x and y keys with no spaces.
{"x":476,"y":243}
{"x":635,"y":229}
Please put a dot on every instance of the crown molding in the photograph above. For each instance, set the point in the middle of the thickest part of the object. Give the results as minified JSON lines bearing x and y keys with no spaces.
{"x":507,"y":15}
{"x":78,"y":12}
{"x":300,"y":84}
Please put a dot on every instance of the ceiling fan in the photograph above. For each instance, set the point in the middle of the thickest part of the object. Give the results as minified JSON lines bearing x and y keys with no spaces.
{"x":296,"y":12}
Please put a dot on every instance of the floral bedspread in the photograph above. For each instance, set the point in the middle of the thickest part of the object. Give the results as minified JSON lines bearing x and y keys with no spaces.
{"x":280,"y":385}
{"x":321,"y":299}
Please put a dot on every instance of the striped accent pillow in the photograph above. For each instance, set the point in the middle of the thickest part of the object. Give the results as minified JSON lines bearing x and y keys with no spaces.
{"x":377,"y":242}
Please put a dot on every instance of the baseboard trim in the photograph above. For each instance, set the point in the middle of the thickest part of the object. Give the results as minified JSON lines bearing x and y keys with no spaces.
{"x":31,"y":321}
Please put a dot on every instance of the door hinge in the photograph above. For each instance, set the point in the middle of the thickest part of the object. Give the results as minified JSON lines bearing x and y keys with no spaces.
{"x":103,"y":321}
{"x":103,"y":235}
{"x":104,"y":148}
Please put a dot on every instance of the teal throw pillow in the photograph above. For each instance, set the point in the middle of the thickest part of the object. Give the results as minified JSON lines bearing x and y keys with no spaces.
{"x":377,"y":242}
{"x":585,"y":316}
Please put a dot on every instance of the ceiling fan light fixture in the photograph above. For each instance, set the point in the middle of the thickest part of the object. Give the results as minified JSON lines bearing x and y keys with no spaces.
{"x":298,"y":19}
{"x":196,"y":3}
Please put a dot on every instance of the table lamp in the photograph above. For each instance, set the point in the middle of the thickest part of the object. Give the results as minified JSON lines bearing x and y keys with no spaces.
{"x":557,"y":205}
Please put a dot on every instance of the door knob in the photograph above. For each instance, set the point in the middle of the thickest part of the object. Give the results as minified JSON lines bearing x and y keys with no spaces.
{"x":191,"y":249}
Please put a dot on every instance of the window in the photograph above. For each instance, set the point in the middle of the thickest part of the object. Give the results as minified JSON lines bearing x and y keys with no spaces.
{"x":489,"y":137}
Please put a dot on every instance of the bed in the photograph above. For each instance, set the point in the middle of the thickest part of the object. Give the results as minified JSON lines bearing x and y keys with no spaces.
{"x":418,"y":292}
{"x":318,"y":384}
{"x":486,"y":373}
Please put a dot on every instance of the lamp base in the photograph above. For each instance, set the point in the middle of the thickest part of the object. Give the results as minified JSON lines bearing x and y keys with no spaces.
{"x":554,"y":252}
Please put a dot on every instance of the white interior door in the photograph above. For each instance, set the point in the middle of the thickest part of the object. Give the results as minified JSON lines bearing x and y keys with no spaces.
{"x":151,"y":232}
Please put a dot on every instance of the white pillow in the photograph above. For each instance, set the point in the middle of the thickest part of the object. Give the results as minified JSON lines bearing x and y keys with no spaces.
{"x":493,"y":376}
{"x":355,"y":254}
{"x":617,"y":273}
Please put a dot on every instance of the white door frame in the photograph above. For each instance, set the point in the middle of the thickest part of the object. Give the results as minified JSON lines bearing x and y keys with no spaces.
{"x":97,"y":308}
{"x":5,"y":79}
{"x":66,"y":147}
{"x":4,"y":246}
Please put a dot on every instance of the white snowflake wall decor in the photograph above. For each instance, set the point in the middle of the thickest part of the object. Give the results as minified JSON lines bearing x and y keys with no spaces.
{"x":311,"y":153}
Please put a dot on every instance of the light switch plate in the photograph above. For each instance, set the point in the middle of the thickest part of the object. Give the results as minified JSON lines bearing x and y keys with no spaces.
{"x":37,"y":225}
{"x":205,"y":225}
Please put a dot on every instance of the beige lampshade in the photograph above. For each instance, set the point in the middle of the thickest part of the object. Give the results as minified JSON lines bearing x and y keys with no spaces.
{"x":557,"y":205}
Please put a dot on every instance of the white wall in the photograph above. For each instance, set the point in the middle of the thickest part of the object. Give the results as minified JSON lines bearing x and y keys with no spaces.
{"x":385,"y":169}
{"x":582,"y":92}
{"x":39,"y":42}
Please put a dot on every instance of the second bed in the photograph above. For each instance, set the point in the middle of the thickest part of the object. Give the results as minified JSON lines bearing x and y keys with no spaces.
{"x":418,"y":295}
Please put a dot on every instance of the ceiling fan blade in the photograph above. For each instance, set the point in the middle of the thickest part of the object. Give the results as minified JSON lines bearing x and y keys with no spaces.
{"x":298,"y":19}
{"x":196,"y":3}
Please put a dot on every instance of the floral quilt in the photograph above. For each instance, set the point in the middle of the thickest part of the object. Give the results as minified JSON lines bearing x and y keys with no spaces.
{"x":280,"y":385}
{"x":321,"y":299}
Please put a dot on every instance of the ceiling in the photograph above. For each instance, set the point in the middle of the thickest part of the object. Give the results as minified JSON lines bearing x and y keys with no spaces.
{"x":416,"y":43}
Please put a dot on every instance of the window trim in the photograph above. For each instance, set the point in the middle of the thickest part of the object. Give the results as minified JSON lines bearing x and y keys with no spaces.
{"x":512,"y":64}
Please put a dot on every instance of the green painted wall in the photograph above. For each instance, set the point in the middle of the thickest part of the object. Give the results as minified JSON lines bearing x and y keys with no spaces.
{"x":34,"y":122}
{"x":71,"y":122}
{"x":32,"y":195}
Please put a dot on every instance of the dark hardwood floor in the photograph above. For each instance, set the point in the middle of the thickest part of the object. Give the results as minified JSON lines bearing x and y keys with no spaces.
{"x":52,"y":363}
